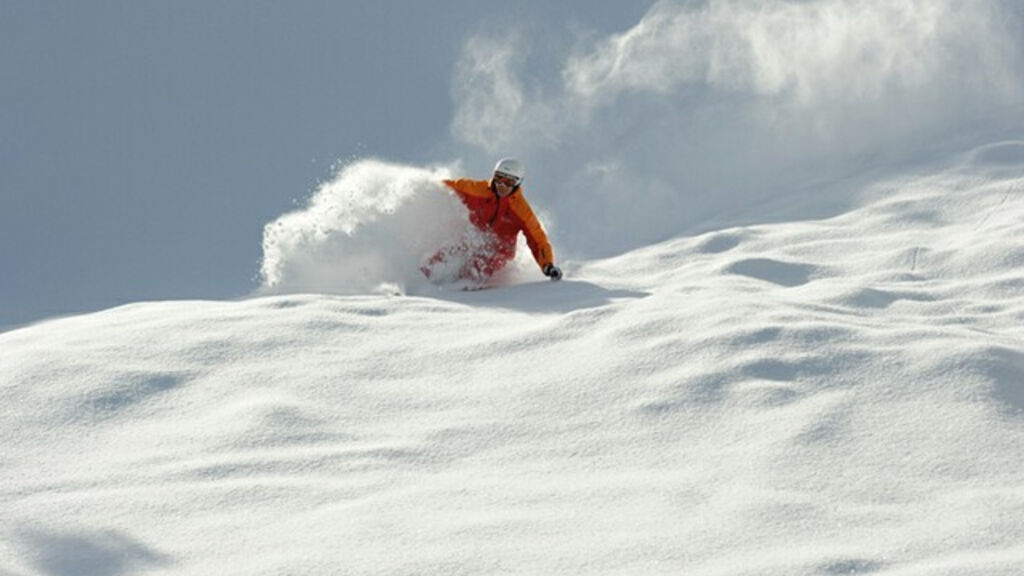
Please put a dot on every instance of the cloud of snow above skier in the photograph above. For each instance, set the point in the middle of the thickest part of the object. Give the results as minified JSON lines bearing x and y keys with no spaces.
{"x":705,"y":108}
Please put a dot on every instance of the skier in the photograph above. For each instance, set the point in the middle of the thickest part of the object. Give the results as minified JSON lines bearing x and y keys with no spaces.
{"x":498,"y":209}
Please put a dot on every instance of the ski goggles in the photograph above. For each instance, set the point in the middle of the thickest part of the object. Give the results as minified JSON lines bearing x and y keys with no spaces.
{"x":505,"y":179}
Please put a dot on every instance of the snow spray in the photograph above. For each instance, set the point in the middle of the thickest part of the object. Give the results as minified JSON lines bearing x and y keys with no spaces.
{"x":373,"y":229}
{"x":367,"y":230}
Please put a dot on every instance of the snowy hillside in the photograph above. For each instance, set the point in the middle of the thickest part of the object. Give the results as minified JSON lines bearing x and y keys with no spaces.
{"x":808,"y":396}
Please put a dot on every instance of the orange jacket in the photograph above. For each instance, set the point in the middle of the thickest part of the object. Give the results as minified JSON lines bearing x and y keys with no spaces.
{"x":505,"y":218}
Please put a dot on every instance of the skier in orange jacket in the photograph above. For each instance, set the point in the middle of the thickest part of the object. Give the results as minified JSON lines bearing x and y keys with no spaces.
{"x":499,"y":210}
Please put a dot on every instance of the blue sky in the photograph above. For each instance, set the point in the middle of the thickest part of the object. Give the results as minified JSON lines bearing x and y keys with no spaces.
{"x":145,"y":144}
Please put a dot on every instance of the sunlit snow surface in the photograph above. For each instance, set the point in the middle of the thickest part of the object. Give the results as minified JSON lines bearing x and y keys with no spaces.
{"x":814,"y":396}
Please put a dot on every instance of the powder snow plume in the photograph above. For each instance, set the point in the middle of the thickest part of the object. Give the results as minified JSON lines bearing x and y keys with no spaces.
{"x":704,"y":109}
{"x":369,"y":229}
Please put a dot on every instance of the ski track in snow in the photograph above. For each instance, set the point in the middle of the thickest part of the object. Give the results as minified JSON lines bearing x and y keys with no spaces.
{"x":825,"y":396}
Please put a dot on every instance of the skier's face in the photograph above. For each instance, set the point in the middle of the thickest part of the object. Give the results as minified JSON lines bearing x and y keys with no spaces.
{"x":504,"y":185}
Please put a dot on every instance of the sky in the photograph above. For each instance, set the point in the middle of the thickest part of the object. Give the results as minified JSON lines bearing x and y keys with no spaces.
{"x":144,"y":145}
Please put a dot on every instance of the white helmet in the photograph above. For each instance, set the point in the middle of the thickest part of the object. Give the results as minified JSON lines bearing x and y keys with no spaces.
{"x":511,"y":168}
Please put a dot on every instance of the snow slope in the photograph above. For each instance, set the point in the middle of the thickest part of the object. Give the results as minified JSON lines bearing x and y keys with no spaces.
{"x":808,"y":396}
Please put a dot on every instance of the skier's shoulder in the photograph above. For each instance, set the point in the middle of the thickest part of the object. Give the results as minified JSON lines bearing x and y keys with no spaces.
{"x":519,"y":203}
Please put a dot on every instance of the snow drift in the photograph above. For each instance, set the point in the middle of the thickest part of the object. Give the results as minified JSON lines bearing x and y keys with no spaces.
{"x":829,"y":396}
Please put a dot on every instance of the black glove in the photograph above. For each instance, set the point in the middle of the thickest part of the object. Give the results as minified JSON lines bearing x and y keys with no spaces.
{"x":553,"y":272}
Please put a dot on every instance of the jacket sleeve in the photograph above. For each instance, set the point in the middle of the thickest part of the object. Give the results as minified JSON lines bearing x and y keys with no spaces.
{"x":467,"y":189}
{"x":454,"y":186}
{"x":536,"y":238}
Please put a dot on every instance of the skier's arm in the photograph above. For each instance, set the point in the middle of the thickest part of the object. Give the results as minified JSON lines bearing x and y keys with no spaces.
{"x":452,"y":185}
{"x":466,"y":189}
{"x":536,"y":238}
